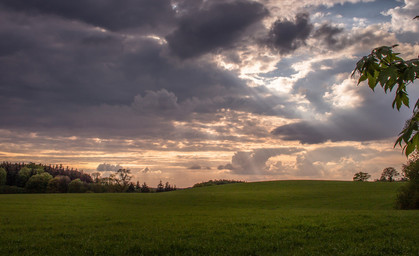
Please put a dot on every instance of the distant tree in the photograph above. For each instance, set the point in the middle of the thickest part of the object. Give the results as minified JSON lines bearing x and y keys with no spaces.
{"x":408,"y":196}
{"x":3,"y":176}
{"x":38,"y":183}
{"x":145,"y":188}
{"x":138,"y":186}
{"x":76,"y":186}
{"x":123,"y":178}
{"x":160,"y":187}
{"x":167,"y":187}
{"x":361,"y":176}
{"x":96,"y":176}
{"x":389,"y":174}
{"x":23,"y":176}
{"x":58,"y":184}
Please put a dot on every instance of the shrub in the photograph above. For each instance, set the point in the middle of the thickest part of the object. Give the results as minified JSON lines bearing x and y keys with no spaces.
{"x":11,"y":190}
{"x":408,"y":197}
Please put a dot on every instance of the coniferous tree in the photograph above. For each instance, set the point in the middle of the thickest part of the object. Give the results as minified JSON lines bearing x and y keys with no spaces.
{"x":160,"y":187}
{"x":145,"y":188}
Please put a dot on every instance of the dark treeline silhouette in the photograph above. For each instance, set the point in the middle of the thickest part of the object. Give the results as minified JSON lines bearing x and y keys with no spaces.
{"x":39,"y":178}
{"x":216,"y":182}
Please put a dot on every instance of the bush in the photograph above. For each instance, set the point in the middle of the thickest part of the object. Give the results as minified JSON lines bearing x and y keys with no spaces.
{"x":408,"y":197}
{"x":11,"y":190}
{"x":38,"y":183}
{"x":76,"y":186}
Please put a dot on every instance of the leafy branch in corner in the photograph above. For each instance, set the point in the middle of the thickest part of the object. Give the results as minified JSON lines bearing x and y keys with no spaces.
{"x":384,"y":67}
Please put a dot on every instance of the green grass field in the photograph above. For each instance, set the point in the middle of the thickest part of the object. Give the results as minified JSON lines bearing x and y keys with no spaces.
{"x":267,"y":218}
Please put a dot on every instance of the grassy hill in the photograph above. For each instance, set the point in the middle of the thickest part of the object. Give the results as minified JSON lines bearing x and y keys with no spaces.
{"x":265,"y":218}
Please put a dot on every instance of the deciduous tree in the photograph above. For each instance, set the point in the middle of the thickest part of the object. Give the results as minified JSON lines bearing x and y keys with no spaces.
{"x":38,"y":182}
{"x":389,"y":174}
{"x":23,"y":176}
{"x":123,"y":178}
{"x":361,"y":176}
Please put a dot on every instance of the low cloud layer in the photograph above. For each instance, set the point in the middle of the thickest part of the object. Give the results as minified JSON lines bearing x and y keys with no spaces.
{"x":108,"y":167}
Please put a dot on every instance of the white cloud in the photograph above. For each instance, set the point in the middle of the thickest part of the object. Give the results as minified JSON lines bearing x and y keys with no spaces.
{"x":344,"y":94}
{"x":402,"y":17}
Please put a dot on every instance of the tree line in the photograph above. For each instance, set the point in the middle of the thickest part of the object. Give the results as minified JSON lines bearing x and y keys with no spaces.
{"x":38,"y":178}
{"x":216,"y":182}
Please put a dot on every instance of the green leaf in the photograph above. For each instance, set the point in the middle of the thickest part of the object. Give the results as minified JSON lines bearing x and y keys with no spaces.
{"x":372,"y":81}
{"x":410,"y":147}
{"x":405,"y":100}
{"x":362,"y":78}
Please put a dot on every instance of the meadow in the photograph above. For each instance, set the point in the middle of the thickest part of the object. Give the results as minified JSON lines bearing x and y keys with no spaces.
{"x":264,"y":218}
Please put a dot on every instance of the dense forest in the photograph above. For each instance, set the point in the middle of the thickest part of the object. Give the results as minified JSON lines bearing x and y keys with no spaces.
{"x":39,"y":178}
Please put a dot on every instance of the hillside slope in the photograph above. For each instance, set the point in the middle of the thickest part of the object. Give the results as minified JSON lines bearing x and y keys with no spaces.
{"x":266,"y":218}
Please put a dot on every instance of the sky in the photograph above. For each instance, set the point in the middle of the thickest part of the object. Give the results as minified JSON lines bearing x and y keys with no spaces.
{"x":190,"y":90}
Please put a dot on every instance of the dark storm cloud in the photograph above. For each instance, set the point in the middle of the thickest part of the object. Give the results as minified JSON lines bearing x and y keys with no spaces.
{"x":286,"y":36}
{"x":217,"y":26}
{"x":69,"y":77}
{"x":328,"y":34}
{"x":109,"y":14}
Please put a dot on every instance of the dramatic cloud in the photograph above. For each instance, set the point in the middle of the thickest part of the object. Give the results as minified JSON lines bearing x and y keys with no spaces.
{"x":113,"y":15}
{"x":362,"y":124}
{"x":176,"y":84}
{"x":214,"y":27}
{"x":286,"y":36}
